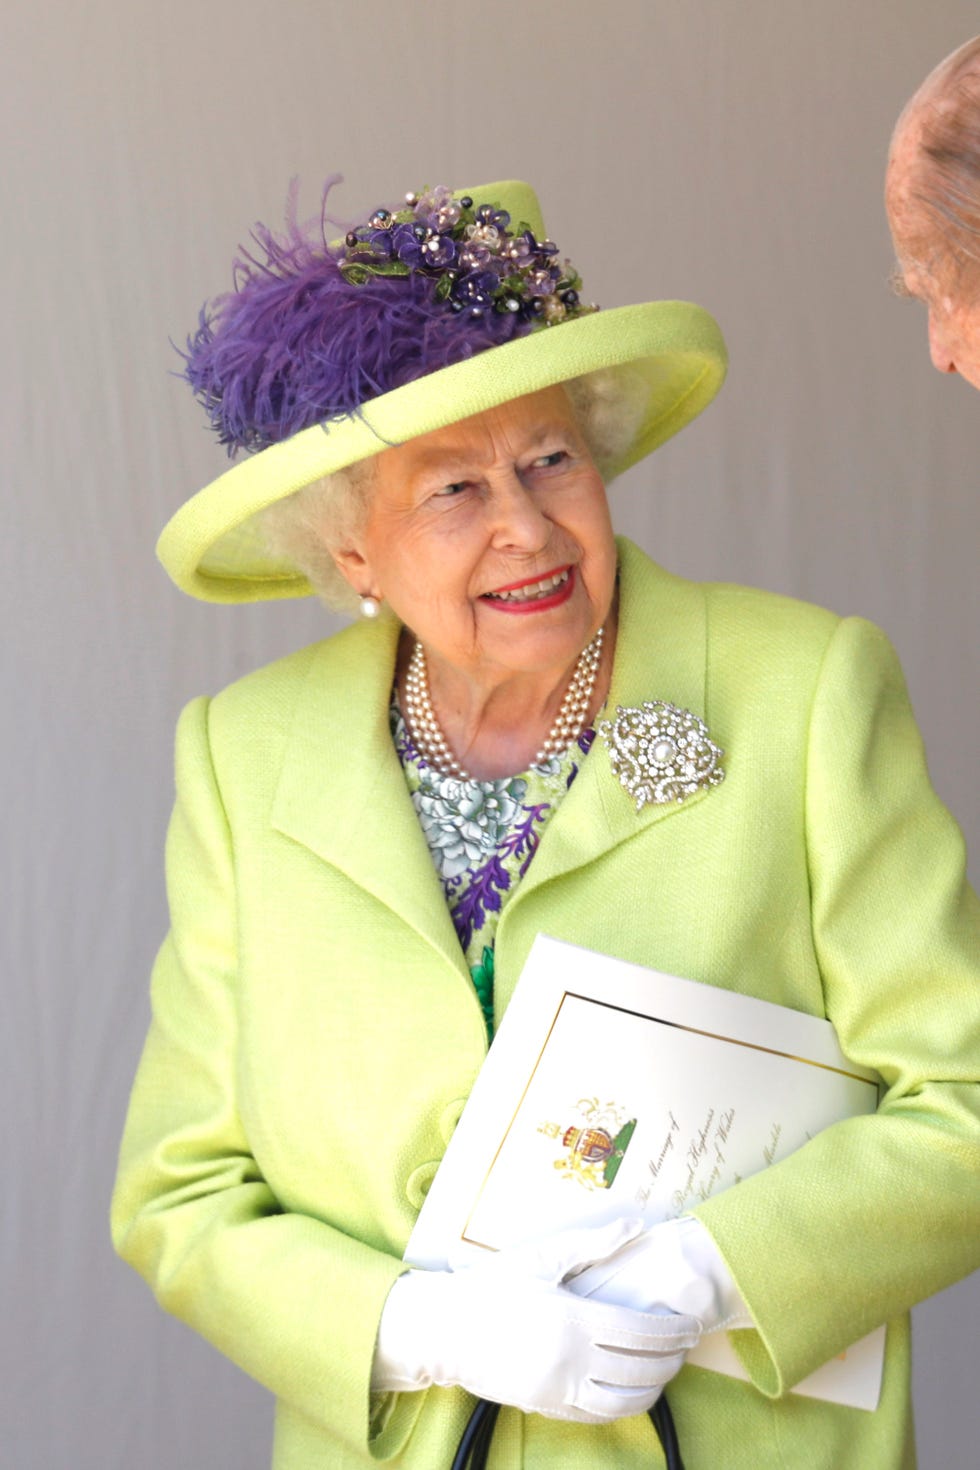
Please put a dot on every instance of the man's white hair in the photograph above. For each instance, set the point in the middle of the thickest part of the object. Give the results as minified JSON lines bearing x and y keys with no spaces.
{"x":946,"y":112}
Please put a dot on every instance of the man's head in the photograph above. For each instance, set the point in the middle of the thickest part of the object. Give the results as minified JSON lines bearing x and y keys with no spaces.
{"x":932,"y":195}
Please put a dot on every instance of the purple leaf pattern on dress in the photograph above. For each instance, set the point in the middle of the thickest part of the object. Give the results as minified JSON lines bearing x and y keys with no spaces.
{"x":484,"y":895}
{"x":523,"y":841}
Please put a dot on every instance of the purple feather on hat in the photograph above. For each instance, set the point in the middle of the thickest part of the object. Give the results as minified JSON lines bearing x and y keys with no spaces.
{"x":296,"y":343}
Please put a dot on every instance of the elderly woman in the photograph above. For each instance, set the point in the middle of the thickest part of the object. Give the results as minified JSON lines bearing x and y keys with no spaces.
{"x":932,"y":194}
{"x":369,"y":834}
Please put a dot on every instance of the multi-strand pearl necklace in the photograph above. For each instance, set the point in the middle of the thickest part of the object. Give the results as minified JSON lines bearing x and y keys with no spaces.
{"x":569,"y":722}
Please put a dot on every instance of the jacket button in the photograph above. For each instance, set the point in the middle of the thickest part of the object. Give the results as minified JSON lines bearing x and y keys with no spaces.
{"x":418,"y":1183}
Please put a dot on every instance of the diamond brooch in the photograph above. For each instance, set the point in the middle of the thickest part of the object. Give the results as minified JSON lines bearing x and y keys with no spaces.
{"x":661,"y":753}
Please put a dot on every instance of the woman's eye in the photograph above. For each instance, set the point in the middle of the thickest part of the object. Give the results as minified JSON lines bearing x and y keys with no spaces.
{"x":548,"y":461}
{"x":447,"y":491}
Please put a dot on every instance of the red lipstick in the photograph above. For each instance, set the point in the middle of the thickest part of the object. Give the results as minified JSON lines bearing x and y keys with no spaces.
{"x":560,"y":594}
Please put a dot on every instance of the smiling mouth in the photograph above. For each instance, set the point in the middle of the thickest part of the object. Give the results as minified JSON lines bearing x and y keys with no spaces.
{"x":533,"y":591}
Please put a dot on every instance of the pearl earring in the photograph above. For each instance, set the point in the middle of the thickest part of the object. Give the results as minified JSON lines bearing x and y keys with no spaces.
{"x":370,"y":607}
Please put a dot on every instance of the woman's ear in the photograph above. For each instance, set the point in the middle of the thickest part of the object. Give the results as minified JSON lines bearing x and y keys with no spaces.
{"x":348,"y":542}
{"x":355,"y":568}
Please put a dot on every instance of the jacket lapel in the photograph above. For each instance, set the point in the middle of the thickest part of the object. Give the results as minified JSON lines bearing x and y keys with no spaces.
{"x":342,"y":793}
{"x":661,"y":650}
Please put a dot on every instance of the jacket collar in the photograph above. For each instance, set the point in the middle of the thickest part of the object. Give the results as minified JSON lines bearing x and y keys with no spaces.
{"x":358,"y":816}
{"x":342,"y":792}
{"x":661,"y":654}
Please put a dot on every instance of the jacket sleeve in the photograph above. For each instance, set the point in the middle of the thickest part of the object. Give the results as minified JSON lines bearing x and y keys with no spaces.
{"x":877,"y":1212}
{"x":293,"y":1301}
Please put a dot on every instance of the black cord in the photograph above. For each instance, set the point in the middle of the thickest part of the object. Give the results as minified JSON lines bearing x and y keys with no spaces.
{"x":476,"y":1436}
{"x":474,"y":1446}
{"x":481,"y":1449}
{"x":663,"y":1422}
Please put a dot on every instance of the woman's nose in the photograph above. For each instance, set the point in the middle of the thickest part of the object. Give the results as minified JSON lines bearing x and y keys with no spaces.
{"x":518,"y":521}
{"x":942,"y":357}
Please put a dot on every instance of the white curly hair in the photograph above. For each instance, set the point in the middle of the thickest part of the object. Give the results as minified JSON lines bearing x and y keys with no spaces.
{"x":946,"y":113}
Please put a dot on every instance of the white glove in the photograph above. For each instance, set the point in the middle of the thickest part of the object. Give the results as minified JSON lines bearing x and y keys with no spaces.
{"x":673,"y":1267}
{"x":508,"y":1330}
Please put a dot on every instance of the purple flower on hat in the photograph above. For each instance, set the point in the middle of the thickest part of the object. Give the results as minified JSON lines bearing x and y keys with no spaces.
{"x":430,"y":203}
{"x":438,"y":251}
{"x":474,"y":256}
{"x":488,"y":215}
{"x":447,"y":215}
{"x":518,"y":249}
{"x":380,"y":242}
{"x":406,"y":242}
{"x":312,"y":331}
{"x":477,"y":288}
{"x":541,"y":282}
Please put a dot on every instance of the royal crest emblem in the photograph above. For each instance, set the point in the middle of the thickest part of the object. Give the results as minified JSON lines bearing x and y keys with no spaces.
{"x":594,"y":1146}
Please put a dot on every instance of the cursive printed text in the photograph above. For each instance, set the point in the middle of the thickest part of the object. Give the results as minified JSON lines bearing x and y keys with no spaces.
{"x":655,"y":1165}
{"x":769,"y":1152}
{"x":685,"y":1173}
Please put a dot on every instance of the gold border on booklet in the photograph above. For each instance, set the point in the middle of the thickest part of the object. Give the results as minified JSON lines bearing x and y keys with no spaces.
{"x":643,"y":1016}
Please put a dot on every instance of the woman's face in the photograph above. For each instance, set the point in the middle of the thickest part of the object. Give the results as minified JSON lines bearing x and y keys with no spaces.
{"x":491,"y":540}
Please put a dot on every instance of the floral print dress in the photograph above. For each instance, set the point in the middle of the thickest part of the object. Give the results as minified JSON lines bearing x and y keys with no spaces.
{"x":482,"y":836}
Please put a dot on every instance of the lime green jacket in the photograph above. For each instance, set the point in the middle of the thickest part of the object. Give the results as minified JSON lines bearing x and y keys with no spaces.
{"x":315,"y":1032}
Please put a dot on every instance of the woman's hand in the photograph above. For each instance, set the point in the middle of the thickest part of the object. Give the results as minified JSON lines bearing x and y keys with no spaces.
{"x":672,"y":1267}
{"x":508,"y":1329}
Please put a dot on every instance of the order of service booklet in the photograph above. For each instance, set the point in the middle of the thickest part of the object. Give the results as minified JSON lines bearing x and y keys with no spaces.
{"x":612,"y":1090}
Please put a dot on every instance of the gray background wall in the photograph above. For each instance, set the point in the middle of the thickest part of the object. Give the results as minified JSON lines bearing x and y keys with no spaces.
{"x":729,"y":153}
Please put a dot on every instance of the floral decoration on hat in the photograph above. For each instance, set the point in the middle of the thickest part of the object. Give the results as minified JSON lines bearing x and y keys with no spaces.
{"x":313,"y":330}
{"x":477,"y":261}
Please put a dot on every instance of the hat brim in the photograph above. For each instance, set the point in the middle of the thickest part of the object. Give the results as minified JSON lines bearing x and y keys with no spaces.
{"x":213,"y":548}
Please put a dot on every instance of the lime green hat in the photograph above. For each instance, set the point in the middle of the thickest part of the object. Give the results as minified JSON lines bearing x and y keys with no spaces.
{"x":328,"y":353}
